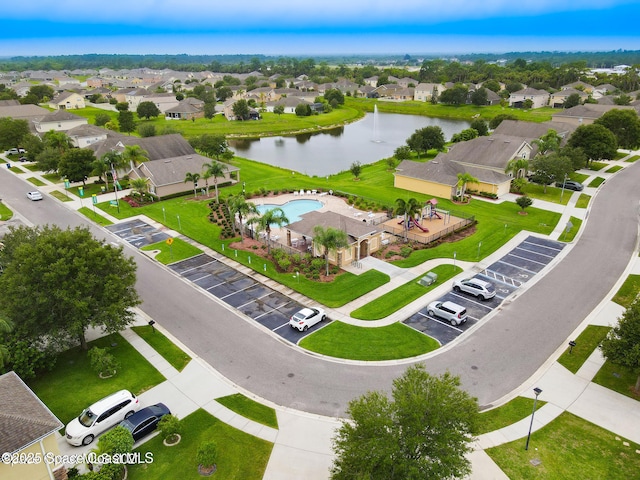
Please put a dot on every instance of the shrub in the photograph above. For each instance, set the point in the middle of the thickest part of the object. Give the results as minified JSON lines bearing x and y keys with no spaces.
{"x":207,"y":454}
{"x":101,"y":360}
{"x":170,"y":426}
{"x":284,"y":264}
{"x":405,"y":251}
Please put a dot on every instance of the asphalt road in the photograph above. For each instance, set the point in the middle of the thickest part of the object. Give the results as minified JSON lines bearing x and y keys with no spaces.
{"x":494,"y":360}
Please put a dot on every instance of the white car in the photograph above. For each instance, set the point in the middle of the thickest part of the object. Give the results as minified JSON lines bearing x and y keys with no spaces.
{"x":101,"y":416}
{"x":35,"y":195}
{"x":452,"y":312}
{"x":474,"y":286}
{"x":307,"y":317}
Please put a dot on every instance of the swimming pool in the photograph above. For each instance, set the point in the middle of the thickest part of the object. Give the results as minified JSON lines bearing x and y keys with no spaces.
{"x":294,"y":208}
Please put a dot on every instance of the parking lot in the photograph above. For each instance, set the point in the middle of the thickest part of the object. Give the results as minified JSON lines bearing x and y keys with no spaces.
{"x":137,"y":233}
{"x":508,"y":274}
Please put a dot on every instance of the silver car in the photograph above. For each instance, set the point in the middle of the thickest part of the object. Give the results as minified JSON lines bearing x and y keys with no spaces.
{"x":474,"y":286}
{"x":452,"y":312}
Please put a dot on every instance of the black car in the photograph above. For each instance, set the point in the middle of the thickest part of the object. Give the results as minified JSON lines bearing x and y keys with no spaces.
{"x":145,"y":420}
{"x":571,"y":185}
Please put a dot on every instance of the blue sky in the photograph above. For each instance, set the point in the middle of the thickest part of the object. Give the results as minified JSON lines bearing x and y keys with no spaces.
{"x":285,"y":27}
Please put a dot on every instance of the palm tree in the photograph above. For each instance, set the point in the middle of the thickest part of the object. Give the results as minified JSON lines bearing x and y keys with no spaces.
{"x":239,"y":206}
{"x":206,"y":175}
{"x":101,"y":169}
{"x":518,"y":166}
{"x":409,"y":209}
{"x":331,"y":239}
{"x":192,"y":177}
{"x":463,"y":180}
{"x":140,"y":185}
{"x":135,"y":154}
{"x":115,"y":160}
{"x":216,"y":169}
{"x":274,"y":216}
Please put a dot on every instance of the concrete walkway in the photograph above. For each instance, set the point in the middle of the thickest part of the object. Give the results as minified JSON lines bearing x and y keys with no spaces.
{"x":295,"y":457}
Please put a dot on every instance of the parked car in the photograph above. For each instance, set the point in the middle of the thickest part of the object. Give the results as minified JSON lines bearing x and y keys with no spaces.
{"x":571,"y":185}
{"x":35,"y":195}
{"x":12,"y":151}
{"x":452,"y":312}
{"x":307,"y":317}
{"x":145,"y":420}
{"x":474,"y":286}
{"x":101,"y":416}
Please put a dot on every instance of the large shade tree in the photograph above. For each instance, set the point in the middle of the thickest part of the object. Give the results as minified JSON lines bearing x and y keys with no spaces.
{"x":622,"y":344}
{"x":624,"y":124}
{"x":425,"y":139}
{"x":77,"y":164}
{"x":597,"y":141}
{"x":422,"y":432}
{"x":58,"y":283}
{"x":330,"y":239}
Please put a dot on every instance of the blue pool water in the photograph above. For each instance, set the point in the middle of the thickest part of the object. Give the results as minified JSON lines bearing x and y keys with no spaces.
{"x":294,"y":208}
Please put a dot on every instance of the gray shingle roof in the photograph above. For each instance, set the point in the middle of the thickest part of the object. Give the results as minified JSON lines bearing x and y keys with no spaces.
{"x":24,"y":419}
{"x":169,"y":171}
{"x":354,"y":228}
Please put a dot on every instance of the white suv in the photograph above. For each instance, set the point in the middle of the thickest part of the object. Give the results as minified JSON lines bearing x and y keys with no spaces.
{"x":474,"y":286}
{"x":452,"y":312}
{"x":101,"y":416}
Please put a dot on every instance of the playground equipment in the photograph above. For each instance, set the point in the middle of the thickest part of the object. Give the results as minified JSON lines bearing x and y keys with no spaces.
{"x":430,"y":211}
{"x":412,"y":223}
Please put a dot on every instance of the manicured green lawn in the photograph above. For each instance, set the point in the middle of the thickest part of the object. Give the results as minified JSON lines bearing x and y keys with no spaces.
{"x":617,"y":378}
{"x":178,"y":250}
{"x":633,"y":158}
{"x":553,"y":194}
{"x":94,"y":216}
{"x":571,"y":234}
{"x":596,"y":182}
{"x":507,"y":414}
{"x":628,"y":292}
{"x":36,"y":181}
{"x":72,"y":385}
{"x":614,"y":169}
{"x":566,"y":448}
{"x":165,"y":347}
{"x":578,"y":177}
{"x":240,"y":455}
{"x":5,"y":212}
{"x":583,"y":200}
{"x":397,"y":298}
{"x":250,"y":409}
{"x":597,"y":165}
{"x":63,"y":197}
{"x":586,"y":343}
{"x":394,"y":341}
{"x":52,"y":177}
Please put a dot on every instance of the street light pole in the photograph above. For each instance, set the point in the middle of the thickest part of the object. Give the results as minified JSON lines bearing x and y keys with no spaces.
{"x":537,"y":391}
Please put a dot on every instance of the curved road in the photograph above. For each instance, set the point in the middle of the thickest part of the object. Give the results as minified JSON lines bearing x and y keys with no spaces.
{"x":492,"y":361}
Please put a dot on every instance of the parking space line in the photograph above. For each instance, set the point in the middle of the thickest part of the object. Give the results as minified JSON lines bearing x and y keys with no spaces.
{"x":516,"y":266}
{"x":549,"y":247}
{"x":255,"y":299}
{"x":198,"y":266}
{"x":214,"y":286}
{"x":200,"y":278}
{"x":238,"y":291}
{"x":528,"y":260}
{"x":283,"y":325}
{"x":551,"y":257}
{"x":494,"y":275}
{"x":472,"y":300}
{"x":273,"y":310}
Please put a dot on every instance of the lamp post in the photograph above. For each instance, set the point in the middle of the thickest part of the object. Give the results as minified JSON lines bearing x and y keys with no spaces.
{"x":563,"y":182}
{"x":537,"y":391}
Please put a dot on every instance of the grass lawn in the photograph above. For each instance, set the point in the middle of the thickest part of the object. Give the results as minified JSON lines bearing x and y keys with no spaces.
{"x":178,"y":250}
{"x":165,"y":347}
{"x":392,"y":342}
{"x":397,"y":298}
{"x":240,"y":455}
{"x":571,"y":234}
{"x":628,"y":292}
{"x":578,"y":177}
{"x":94,"y":216}
{"x":597,"y":165}
{"x":618,"y":379}
{"x":72,"y":385}
{"x":5,"y":212}
{"x":36,"y":181}
{"x":553,"y":194}
{"x":507,"y":414}
{"x":596,"y":182}
{"x":583,"y":200}
{"x":63,"y":197}
{"x":586,"y":343}
{"x":614,"y":169}
{"x":633,"y":159}
{"x":250,"y":409}
{"x":567,"y":447}
{"x":52,"y":177}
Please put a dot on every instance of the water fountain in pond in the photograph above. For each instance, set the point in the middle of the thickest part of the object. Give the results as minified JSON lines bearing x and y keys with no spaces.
{"x":376,"y":136}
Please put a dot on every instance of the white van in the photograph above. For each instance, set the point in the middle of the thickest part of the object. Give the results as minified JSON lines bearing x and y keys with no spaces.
{"x":101,"y":416}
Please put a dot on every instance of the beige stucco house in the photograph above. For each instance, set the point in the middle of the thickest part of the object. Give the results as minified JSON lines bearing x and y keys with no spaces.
{"x":540,"y":98}
{"x":28,"y":429}
{"x":67,"y":101}
{"x":588,"y":113}
{"x":364,"y":238}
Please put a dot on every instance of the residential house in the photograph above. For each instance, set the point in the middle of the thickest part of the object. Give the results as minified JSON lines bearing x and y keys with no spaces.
{"x":603,"y":90}
{"x":424,"y":92}
{"x":485,"y":158}
{"x":289,"y":104}
{"x":372,"y":81}
{"x":28,"y":429}
{"x":67,"y":101}
{"x":582,"y":86}
{"x":59,"y":121}
{"x":27,"y":112}
{"x":557,"y":99}
{"x":164,"y":101}
{"x":184,"y":110}
{"x":587,"y":113}
{"x":540,"y":98}
{"x":85,"y":135}
{"x":364,"y":239}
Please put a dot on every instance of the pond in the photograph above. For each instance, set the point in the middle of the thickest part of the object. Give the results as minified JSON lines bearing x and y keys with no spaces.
{"x":374,"y":137}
